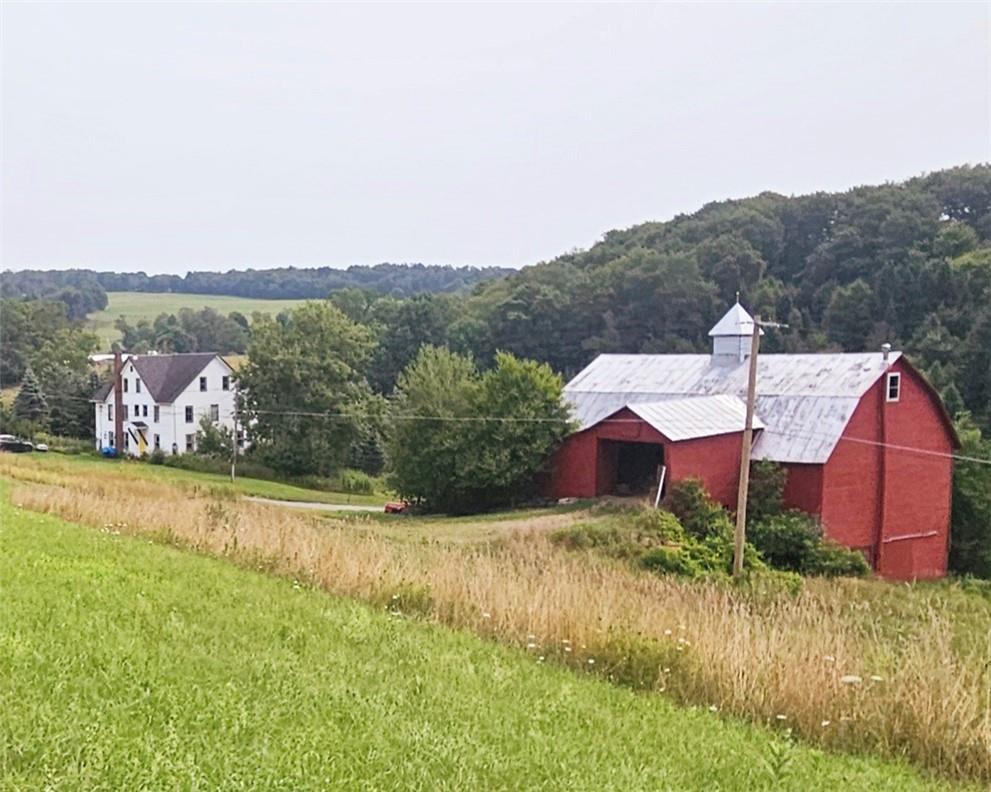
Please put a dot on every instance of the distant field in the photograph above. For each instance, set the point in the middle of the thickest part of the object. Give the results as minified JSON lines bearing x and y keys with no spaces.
{"x":144,"y":305}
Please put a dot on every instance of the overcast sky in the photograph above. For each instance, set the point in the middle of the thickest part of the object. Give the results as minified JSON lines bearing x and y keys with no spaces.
{"x":173,"y":137}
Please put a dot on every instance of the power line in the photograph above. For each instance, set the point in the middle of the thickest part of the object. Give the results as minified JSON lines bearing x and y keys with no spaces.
{"x":468,"y":419}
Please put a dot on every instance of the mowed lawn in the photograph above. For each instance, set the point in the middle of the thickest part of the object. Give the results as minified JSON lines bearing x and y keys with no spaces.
{"x":126,"y":664}
{"x":147,"y":305}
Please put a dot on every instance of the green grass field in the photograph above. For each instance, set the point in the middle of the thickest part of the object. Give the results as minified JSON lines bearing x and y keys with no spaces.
{"x":141,"y":305}
{"x":125,"y":664}
{"x":214,"y":481}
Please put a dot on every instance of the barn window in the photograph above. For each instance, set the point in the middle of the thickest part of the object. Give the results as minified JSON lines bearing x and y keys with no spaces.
{"x":894,"y":389}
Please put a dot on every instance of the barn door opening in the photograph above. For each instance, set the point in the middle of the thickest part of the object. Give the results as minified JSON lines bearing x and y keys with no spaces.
{"x":631,"y":468}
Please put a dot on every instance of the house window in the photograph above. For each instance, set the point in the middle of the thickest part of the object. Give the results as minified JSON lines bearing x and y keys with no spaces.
{"x":137,"y":385}
{"x":144,"y":411}
{"x":202,"y":383}
{"x":158,"y":442}
{"x":190,"y":442}
{"x":154,"y":414}
{"x":110,"y":412}
{"x":225,"y":383}
{"x":189,"y":413}
{"x":214,"y":412}
{"x":110,"y":439}
{"x":125,"y":384}
{"x":894,"y":387}
{"x":127,"y":441}
{"x":240,"y":438}
{"x":124,"y":413}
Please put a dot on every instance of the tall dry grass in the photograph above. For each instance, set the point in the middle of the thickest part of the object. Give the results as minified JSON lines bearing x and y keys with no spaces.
{"x":786,"y":661}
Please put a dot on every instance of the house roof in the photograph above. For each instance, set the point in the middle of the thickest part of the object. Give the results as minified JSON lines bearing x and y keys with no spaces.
{"x":695,"y":416}
{"x":804,"y":401}
{"x":165,"y":376}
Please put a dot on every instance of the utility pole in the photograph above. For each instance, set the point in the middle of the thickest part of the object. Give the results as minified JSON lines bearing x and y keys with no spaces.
{"x":234,"y":441}
{"x":740,"y":535}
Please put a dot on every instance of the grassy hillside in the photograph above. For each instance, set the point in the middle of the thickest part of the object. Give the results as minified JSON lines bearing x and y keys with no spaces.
{"x":137,"y":305}
{"x":863,"y":666}
{"x":131,"y":665}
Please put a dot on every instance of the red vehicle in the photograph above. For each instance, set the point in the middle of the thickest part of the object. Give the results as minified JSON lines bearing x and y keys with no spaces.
{"x":396,"y":507}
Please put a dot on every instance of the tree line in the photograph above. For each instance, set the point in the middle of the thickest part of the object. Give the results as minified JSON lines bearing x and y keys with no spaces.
{"x":398,"y":280}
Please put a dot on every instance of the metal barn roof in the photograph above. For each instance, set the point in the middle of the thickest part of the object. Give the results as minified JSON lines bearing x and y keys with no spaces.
{"x":696,"y":416}
{"x":804,"y":401}
{"x":736,"y":322}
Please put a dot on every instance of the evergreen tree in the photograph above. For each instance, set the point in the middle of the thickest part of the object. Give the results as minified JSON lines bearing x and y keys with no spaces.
{"x":31,"y":404}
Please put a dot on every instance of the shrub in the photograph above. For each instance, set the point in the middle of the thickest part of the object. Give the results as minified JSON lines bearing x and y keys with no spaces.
{"x":787,"y":541}
{"x":659,"y":524}
{"x":626,"y":536}
{"x":157,"y":457}
{"x":970,"y":531}
{"x":833,"y":560}
{"x":696,"y":511}
{"x":356,"y":481}
{"x":794,"y":541}
{"x":765,"y":496}
{"x":674,"y":561}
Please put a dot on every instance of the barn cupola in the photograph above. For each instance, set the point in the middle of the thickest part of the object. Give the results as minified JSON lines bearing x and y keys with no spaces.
{"x":732,"y":336}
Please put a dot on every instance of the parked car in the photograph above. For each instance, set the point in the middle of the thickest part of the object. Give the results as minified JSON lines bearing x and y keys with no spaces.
{"x":14,"y":445}
{"x":41,"y":447}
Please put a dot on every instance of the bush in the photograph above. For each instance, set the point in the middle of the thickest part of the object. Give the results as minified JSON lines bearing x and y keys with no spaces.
{"x":833,"y":560}
{"x":674,"y":561}
{"x":970,"y":531}
{"x":696,"y":511}
{"x":157,"y":457}
{"x":787,"y":541}
{"x":356,"y":481}
{"x":765,"y":497}
{"x":794,"y":541}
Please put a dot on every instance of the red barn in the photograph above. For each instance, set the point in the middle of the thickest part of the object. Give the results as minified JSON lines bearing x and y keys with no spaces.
{"x":865,"y":439}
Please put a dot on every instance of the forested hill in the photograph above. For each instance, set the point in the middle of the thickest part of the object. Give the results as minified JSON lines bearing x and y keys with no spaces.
{"x":905,"y":263}
{"x":397,"y":280}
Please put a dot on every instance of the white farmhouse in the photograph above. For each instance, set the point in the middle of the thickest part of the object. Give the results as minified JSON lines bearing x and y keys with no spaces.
{"x":165,"y":397}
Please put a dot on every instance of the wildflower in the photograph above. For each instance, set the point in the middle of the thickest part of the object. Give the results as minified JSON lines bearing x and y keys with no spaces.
{"x":667,"y":632}
{"x":829,"y":658}
{"x":666,"y":670}
{"x":567,"y":649}
{"x":713,"y":708}
{"x":531,"y":645}
{"x":591,"y":661}
{"x":781,"y":717}
{"x":531,"y":637}
{"x":540,"y":659}
{"x":850,"y":679}
{"x":825,"y":723}
{"x":486,"y":615}
{"x":876,"y":678}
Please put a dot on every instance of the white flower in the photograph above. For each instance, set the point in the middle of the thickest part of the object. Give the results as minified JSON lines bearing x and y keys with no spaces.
{"x":486,"y":615}
{"x":781,"y":717}
{"x":850,"y":679}
{"x":591,"y":661}
{"x":531,"y":645}
{"x":540,"y":659}
{"x":824,"y":724}
{"x":567,"y":648}
{"x":713,"y":708}
{"x":876,"y":678}
{"x":667,"y":632}
{"x":829,"y":658}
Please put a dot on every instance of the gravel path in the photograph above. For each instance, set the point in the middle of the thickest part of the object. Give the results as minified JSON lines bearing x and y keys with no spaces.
{"x":344,"y":507}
